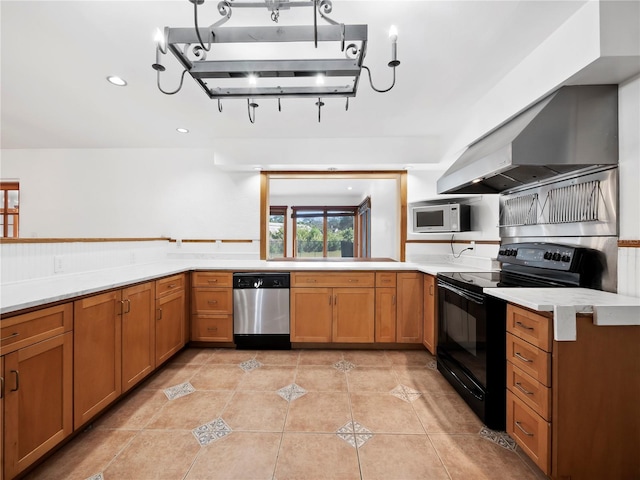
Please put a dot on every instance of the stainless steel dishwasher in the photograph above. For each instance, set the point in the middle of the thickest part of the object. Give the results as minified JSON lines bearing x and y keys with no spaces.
{"x":261,"y":310}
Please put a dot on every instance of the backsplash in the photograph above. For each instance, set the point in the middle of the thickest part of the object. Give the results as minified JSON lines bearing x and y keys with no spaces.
{"x":628,"y":268}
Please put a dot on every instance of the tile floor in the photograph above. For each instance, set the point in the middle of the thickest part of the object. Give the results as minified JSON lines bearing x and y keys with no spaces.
{"x":300,"y":414}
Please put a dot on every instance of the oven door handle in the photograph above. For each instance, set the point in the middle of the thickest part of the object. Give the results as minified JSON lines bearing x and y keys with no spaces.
{"x":479,"y":397}
{"x":466,"y":295}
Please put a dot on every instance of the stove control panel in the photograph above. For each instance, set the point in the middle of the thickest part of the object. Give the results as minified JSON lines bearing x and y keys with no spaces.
{"x":543,"y":255}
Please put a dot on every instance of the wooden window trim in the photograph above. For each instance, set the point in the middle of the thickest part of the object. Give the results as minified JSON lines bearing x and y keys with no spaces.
{"x":6,"y":187}
{"x":281,"y":210}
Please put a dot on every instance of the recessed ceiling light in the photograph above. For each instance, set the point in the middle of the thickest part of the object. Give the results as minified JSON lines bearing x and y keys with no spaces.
{"x":116,"y":81}
{"x":182,"y":130}
{"x":257,"y":168}
{"x":349,"y":188}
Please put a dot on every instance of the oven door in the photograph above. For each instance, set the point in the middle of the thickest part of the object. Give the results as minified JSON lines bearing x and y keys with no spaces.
{"x":462,"y":343}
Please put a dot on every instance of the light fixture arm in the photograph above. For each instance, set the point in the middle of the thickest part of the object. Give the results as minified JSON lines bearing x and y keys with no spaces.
{"x":176,"y":90}
{"x":371,"y":81}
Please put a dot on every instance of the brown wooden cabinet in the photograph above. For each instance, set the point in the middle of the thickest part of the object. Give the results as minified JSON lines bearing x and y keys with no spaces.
{"x":170,"y":317}
{"x":572,"y":406}
{"x":138,"y":333}
{"x":410,"y":307}
{"x":332,"y":307}
{"x":386,"y":307}
{"x":37,"y":398}
{"x":430,"y":319}
{"x":97,"y":354}
{"x":212,"y":307}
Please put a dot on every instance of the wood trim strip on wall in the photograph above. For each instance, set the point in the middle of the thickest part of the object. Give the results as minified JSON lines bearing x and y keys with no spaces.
{"x":212,"y":240}
{"x":478,"y":242}
{"x":629,"y":243}
{"x":77,"y":240}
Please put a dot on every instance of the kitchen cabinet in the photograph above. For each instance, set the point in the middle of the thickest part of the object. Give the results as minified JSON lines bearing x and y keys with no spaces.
{"x":572,"y":405}
{"x":212,"y":306}
{"x":410,"y":307}
{"x":36,"y":366}
{"x":386,"y":306}
{"x":430,"y":319}
{"x":170,"y":317}
{"x":138,"y":333}
{"x":332,"y":307}
{"x":97,"y":354}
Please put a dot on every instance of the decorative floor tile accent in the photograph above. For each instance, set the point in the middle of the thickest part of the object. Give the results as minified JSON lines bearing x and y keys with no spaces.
{"x":212,"y":431}
{"x":97,"y":476}
{"x":433,"y":365}
{"x":250,"y":365}
{"x":500,"y":438}
{"x":291,"y":392}
{"x":178,"y":391}
{"x":354,"y":434}
{"x":344,"y":366}
{"x":405,"y":393}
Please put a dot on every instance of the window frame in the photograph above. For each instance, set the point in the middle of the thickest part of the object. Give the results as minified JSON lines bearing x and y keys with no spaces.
{"x":281,"y":210}
{"x":298,"y":212}
{"x":5,"y":212}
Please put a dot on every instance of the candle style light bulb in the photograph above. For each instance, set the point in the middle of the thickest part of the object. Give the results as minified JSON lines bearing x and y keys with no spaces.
{"x":393,"y":33}
{"x":393,"y":36}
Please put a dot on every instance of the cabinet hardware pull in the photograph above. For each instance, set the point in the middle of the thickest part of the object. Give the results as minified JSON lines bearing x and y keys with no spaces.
{"x":128,"y":306}
{"x":1,"y":387}
{"x":311,"y":280}
{"x":121,"y":302}
{"x":524,"y":359}
{"x":330,"y":299}
{"x":431,"y":290}
{"x":160,"y":312}
{"x":335,"y":299}
{"x":213,"y":302}
{"x":522,"y":325}
{"x":212,"y":329}
{"x":351,"y":280}
{"x":393,"y":300}
{"x":213,"y":280}
{"x":522,"y":389}
{"x":172,"y":285}
{"x":14,"y":334}
{"x":528,"y":434}
{"x":17,"y":374}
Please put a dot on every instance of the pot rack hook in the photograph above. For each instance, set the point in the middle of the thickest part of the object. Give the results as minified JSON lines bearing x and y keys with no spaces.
{"x":320,"y":104}
{"x":220,"y":105}
{"x":279,"y":106}
{"x":251,"y":110}
{"x":346,"y":107}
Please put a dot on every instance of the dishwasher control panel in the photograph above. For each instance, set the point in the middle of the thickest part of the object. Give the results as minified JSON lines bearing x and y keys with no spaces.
{"x":261,"y":280}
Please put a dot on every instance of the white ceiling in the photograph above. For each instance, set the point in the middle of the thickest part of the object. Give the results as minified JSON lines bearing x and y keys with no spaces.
{"x":57,"y":54}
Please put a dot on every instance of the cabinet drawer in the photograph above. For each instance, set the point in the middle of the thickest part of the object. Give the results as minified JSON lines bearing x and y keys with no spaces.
{"x":212,"y":300}
{"x":386,"y":279}
{"x":530,"y":391}
{"x":212,"y":279}
{"x":23,"y":330}
{"x":332,"y":279}
{"x":212,"y":328}
{"x":530,"y":326}
{"x":168,"y":285}
{"x":530,"y":431}
{"x":532,"y":360}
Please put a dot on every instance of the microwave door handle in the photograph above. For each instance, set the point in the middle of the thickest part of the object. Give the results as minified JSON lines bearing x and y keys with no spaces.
{"x":462,"y":293}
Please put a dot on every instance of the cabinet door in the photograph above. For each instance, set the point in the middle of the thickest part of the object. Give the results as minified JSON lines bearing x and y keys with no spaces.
{"x":138,"y":333}
{"x":170,"y":325}
{"x":38,"y":401}
{"x":353,"y":315}
{"x":2,"y":417}
{"x":430,"y":322}
{"x":97,"y":354}
{"x":311,"y":314}
{"x":410,"y":305}
{"x":385,"y":315}
{"x":212,"y":328}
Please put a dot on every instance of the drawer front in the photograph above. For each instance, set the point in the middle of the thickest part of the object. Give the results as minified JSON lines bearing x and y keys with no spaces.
{"x":530,"y":431}
{"x":530,"y":326}
{"x":23,"y":330}
{"x":530,"y":391}
{"x":168,"y":285}
{"x":386,"y":279}
{"x":332,"y":279}
{"x":531,"y":360}
{"x":212,"y":300}
{"x":212,"y":279}
{"x":212,"y":328}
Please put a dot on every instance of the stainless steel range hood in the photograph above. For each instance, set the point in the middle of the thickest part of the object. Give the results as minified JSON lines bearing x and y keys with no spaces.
{"x":573,"y":129}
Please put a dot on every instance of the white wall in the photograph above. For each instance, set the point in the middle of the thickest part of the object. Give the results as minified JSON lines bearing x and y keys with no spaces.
{"x":132,"y":193}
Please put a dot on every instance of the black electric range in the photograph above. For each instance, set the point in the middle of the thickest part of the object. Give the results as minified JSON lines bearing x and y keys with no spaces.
{"x":471,"y":348}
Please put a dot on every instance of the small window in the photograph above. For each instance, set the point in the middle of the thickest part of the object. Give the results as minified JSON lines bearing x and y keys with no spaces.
{"x":277,"y":232}
{"x":9,"y":208}
{"x":323,"y":231}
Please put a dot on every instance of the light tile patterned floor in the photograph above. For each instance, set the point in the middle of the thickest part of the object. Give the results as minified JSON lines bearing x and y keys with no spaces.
{"x":312,"y":414}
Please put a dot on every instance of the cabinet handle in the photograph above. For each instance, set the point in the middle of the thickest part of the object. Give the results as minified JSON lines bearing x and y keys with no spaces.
{"x":128,"y":305}
{"x":213,"y":302}
{"x":431,"y":290}
{"x":17,"y":374}
{"x":160,"y":314}
{"x":213,"y":280}
{"x":1,"y":387}
{"x":528,"y":434}
{"x":522,"y":389}
{"x":524,"y":359}
{"x":14,"y":334}
{"x":172,"y":285}
{"x":330,"y":299}
{"x":522,"y":325}
{"x":212,"y":329}
{"x":351,"y":280}
{"x":335,"y":299}
{"x":393,"y":300}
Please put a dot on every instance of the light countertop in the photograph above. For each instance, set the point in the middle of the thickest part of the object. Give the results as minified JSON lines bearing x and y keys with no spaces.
{"x":33,"y":293}
{"x":607,"y":308}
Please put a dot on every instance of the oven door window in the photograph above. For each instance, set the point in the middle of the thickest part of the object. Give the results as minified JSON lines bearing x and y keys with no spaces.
{"x":462,"y":330}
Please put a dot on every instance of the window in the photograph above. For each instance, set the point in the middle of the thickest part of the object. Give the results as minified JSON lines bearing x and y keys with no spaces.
{"x":9,"y":206}
{"x":277,"y":232}
{"x":323,"y":231}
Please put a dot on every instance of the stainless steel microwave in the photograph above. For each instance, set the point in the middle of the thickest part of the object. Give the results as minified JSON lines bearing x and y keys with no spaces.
{"x":451,"y":217}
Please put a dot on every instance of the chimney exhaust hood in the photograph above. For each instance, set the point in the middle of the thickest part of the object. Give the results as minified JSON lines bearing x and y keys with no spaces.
{"x":573,"y":129}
